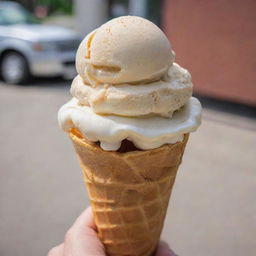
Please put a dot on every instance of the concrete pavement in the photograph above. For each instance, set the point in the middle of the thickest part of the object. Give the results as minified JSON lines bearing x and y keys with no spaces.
{"x":212,"y":210}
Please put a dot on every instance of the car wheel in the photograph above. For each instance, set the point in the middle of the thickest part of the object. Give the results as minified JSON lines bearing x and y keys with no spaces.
{"x":14,"y":68}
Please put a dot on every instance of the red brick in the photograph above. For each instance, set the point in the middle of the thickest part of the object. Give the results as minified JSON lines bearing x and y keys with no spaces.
{"x":216,"y":41}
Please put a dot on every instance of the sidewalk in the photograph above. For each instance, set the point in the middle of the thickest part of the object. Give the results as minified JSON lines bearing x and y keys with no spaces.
{"x":212,"y":209}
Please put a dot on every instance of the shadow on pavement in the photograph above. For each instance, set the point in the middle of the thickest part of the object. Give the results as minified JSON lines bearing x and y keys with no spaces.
{"x":227,"y":106}
{"x":50,"y":82}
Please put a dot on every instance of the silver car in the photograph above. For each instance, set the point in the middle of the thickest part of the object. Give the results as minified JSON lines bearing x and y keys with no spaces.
{"x":28,"y":48}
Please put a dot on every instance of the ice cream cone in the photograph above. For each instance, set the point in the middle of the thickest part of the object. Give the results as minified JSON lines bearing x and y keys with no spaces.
{"x":129,"y":193}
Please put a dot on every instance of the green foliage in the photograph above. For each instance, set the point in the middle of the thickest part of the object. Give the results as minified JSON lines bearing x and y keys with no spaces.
{"x":60,"y":6}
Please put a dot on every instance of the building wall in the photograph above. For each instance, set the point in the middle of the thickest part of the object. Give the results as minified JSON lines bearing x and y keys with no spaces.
{"x":216,"y":41}
{"x":90,"y":14}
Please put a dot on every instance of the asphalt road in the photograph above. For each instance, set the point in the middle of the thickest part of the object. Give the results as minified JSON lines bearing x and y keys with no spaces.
{"x":212,"y":210}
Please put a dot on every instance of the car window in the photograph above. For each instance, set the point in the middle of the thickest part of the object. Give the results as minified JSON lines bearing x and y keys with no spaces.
{"x":10,"y":15}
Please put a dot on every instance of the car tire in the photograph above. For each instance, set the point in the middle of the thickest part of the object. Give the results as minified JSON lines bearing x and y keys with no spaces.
{"x":14,"y":68}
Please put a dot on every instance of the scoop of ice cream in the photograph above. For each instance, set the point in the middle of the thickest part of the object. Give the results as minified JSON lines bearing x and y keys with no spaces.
{"x":159,"y":97}
{"x":127,"y":49}
{"x":144,"y":133}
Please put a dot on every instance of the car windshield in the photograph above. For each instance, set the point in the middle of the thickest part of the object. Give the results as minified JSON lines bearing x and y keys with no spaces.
{"x":15,"y":15}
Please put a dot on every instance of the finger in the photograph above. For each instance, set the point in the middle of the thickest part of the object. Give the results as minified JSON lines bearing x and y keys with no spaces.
{"x":82,"y":238}
{"x":163,"y":249}
{"x":56,"y":251}
{"x":86,"y":218}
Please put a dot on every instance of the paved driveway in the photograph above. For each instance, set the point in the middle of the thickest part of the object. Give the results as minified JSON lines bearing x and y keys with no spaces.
{"x":212,"y":210}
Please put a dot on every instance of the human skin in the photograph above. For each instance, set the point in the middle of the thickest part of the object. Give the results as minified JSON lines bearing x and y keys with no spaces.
{"x":82,"y":240}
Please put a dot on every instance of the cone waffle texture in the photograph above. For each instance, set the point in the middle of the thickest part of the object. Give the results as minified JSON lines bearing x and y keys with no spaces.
{"x":129,"y":193}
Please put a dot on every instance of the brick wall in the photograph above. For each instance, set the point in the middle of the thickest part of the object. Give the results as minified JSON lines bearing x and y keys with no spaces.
{"x":216,"y":41}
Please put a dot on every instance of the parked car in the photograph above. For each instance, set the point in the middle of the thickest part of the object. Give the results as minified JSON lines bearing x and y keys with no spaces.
{"x":29,"y":48}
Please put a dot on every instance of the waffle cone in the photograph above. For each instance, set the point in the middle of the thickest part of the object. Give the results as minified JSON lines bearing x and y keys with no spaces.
{"x":129,"y":193}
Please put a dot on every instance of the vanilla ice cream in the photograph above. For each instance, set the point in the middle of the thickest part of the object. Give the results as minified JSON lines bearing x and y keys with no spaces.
{"x":160,"y":97}
{"x":128,"y":49}
{"x":128,"y":87}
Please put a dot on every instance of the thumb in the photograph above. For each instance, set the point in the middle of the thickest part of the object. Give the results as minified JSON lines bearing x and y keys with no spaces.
{"x":82,"y":238}
{"x":163,"y":249}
